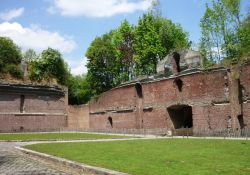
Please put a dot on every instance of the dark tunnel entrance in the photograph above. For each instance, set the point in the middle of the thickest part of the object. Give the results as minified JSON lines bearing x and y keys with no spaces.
{"x":181,"y":116}
{"x":110,"y":121}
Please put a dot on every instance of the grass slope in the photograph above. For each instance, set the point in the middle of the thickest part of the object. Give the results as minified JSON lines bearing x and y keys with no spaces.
{"x":53,"y":136}
{"x":157,"y":157}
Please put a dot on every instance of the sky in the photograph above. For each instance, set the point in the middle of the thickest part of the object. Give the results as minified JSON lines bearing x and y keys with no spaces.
{"x":71,"y":25}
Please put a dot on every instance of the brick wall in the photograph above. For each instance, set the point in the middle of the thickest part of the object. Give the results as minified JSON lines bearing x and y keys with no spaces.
{"x":119,"y":104}
{"x":28,"y":122}
{"x":245,"y":87}
{"x":208,"y":93}
{"x":212,"y":96}
{"x":21,"y":110}
{"x":78,"y":117}
{"x":246,"y":115}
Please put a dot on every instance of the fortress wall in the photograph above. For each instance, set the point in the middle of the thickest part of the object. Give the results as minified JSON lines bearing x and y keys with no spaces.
{"x":199,"y":91}
{"x":137,"y":105}
{"x":119,"y":104}
{"x":245,"y":87}
{"x":78,"y":117}
{"x":9,"y":102}
{"x":44,"y":104}
{"x":31,"y":109}
{"x":206,"y":92}
{"x":28,"y":122}
{"x":246,"y":115}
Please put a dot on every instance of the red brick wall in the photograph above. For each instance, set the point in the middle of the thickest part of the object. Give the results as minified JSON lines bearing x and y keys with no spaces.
{"x":207,"y":93}
{"x":117,"y":98}
{"x":78,"y":117}
{"x":245,"y":79}
{"x":246,"y":114}
{"x":44,"y":104}
{"x":25,"y":122}
{"x":199,"y":90}
{"x":41,"y":112}
{"x":9,"y":102}
{"x":245,"y":85}
{"x":114,"y":104}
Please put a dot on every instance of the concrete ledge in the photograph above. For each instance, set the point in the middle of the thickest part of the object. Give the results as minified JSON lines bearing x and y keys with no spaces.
{"x":70,"y":164}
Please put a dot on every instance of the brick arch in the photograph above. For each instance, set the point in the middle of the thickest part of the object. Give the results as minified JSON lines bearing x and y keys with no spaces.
{"x":181,"y":116}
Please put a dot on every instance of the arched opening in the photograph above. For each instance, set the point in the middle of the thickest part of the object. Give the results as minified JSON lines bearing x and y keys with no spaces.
{"x":181,"y":116}
{"x":138,"y":88}
{"x":110,"y":120}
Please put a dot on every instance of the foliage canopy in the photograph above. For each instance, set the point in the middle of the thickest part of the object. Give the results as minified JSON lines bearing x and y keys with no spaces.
{"x":130,"y":51}
{"x":10,"y":57}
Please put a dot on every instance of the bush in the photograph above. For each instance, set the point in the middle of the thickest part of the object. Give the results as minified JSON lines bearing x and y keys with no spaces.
{"x":48,"y":67}
{"x":10,"y":53}
{"x":1,"y":65}
{"x":14,"y":71}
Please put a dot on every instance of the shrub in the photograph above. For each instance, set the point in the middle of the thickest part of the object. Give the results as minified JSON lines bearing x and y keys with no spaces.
{"x":14,"y":71}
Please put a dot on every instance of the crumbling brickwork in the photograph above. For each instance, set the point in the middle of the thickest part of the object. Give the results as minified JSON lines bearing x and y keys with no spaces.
{"x":212,"y":99}
{"x":212,"y":95}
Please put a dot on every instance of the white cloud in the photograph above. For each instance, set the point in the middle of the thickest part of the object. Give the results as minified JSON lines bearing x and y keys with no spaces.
{"x":36,"y":37}
{"x":11,"y":14}
{"x":77,"y":67}
{"x":98,"y":8}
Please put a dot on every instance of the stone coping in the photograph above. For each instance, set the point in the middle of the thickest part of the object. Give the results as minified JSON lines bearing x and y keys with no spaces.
{"x":30,"y":89}
{"x":84,"y":168}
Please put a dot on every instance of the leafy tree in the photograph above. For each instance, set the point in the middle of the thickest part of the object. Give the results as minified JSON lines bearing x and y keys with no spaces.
{"x":10,"y":53}
{"x":101,"y":64}
{"x":123,"y":39}
{"x":148,"y":47}
{"x":172,"y":35}
{"x":220,"y":30}
{"x":244,"y":36}
{"x":78,"y":90}
{"x":155,"y":37}
{"x":129,"y":51}
{"x":49,"y":66}
{"x":10,"y":57}
{"x":30,"y":55}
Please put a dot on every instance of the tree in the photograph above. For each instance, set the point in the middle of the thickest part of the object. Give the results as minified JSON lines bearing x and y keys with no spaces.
{"x":148,"y":46}
{"x":10,"y":53}
{"x":129,"y":51}
{"x":220,"y":25}
{"x":49,"y":66}
{"x":101,"y":64}
{"x":155,"y":37}
{"x":123,"y":39}
{"x":30,"y":55}
{"x":78,"y":90}
{"x":172,"y":35}
{"x":10,"y":57}
{"x":244,"y":36}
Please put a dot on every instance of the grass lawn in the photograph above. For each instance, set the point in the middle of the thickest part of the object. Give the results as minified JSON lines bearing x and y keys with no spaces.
{"x":160,"y":156}
{"x":53,"y":136}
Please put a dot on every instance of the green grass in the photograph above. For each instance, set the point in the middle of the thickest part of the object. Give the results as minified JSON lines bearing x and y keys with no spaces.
{"x":53,"y":136}
{"x":157,"y":157}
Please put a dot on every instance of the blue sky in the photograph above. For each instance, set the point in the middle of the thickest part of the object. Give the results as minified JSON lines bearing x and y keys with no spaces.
{"x":71,"y":25}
